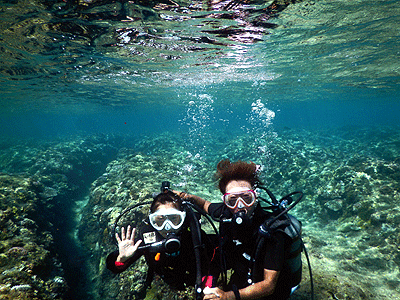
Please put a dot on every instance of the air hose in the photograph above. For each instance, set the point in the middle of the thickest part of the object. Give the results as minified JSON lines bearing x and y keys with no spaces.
{"x":125,"y":211}
{"x":210,"y":220}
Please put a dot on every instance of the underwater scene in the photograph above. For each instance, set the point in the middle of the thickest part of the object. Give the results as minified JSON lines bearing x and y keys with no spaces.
{"x":102,"y":100}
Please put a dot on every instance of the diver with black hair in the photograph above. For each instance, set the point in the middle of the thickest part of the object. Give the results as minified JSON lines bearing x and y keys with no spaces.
{"x":262,"y":248}
{"x":172,"y":243}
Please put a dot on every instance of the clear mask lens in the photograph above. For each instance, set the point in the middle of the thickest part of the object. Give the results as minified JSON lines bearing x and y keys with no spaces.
{"x":244,"y":198}
{"x":167,"y":219}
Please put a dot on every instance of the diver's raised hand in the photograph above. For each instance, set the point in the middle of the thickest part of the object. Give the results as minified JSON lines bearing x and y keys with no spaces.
{"x":200,"y":202}
{"x":126,"y":244}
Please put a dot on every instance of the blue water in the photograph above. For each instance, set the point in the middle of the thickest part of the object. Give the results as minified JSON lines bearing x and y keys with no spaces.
{"x":324,"y":110}
{"x":325,"y":65}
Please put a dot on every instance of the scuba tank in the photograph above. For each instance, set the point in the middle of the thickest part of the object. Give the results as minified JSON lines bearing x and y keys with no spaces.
{"x":293,"y":231}
{"x":292,"y":254}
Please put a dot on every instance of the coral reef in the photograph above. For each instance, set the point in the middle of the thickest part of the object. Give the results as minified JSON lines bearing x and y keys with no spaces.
{"x":29,"y":268}
{"x":38,"y":183}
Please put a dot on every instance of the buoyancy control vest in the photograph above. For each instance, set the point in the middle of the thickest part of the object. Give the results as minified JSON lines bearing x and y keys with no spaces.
{"x":281,"y":208}
{"x":278,"y":220}
{"x":166,"y":261}
{"x":291,"y":227}
{"x":293,"y":259}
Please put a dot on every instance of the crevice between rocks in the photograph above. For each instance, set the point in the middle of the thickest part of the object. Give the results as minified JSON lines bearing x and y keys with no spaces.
{"x":49,"y":184}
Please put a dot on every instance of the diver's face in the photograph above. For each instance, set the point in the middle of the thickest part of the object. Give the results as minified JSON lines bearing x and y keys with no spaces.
{"x":232,"y":187}
{"x":168,"y":211}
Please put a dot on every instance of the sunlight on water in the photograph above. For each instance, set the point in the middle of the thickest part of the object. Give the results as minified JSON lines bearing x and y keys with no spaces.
{"x":307,"y":43}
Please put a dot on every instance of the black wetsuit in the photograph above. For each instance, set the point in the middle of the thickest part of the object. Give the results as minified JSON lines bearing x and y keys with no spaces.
{"x":178,"y":269}
{"x":239,"y":245}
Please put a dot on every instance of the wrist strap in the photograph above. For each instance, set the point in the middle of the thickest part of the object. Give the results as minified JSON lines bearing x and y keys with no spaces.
{"x":119,"y":264}
{"x":236,"y":292}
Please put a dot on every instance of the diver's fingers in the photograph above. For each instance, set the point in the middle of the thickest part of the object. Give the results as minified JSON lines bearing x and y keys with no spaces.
{"x":128,"y":232}
{"x":137,"y":244}
{"x":181,"y":195}
{"x":133,"y":234}
{"x":117,"y":238}
{"x":211,"y":293}
{"x":123,"y":233}
{"x":211,"y":296}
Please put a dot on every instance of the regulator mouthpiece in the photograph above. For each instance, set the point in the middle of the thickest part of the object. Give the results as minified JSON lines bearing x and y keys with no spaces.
{"x":172,"y":245}
{"x":240,"y":217}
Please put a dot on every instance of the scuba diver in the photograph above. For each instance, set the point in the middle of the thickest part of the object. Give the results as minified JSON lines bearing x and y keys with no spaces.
{"x":171,"y":241}
{"x":262,"y":248}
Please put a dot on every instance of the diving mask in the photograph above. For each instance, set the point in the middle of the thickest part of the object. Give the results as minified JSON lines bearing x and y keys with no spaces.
{"x":239,"y":197}
{"x":167,"y":219}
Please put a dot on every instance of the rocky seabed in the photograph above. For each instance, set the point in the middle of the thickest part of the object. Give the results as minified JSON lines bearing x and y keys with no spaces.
{"x":350,"y":212}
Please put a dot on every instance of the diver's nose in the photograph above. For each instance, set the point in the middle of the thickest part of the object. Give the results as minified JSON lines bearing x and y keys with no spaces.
{"x":240,"y":204}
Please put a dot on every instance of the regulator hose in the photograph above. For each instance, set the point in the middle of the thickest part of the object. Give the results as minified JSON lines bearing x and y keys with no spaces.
{"x":196,"y":238}
{"x":126,"y":210}
{"x":222,"y":270}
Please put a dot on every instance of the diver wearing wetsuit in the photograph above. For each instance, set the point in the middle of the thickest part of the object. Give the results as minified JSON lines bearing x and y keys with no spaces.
{"x":239,"y":243}
{"x":265,"y":266}
{"x":168,"y":245}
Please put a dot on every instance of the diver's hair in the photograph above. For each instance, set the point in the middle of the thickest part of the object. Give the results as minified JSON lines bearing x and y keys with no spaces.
{"x":240,"y":170}
{"x":164,"y":198}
